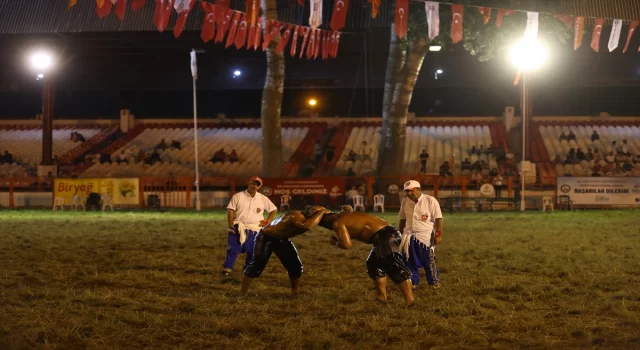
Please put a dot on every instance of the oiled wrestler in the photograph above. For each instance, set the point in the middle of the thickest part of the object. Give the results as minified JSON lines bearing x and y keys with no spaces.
{"x":275,"y":238}
{"x":385,"y":258}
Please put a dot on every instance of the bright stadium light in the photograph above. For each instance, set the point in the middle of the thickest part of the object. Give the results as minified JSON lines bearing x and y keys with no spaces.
{"x":435,"y":48}
{"x":41,"y":61}
{"x":237,"y":73}
{"x":312,"y":102}
{"x":438,"y":72}
{"x":40,"y":76}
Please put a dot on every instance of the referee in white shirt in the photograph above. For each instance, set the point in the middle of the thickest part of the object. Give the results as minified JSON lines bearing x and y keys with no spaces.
{"x":421,"y":218}
{"x":245,"y":216}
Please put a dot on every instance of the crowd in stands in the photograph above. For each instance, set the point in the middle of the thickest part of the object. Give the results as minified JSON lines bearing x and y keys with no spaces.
{"x":6,"y":158}
{"x":77,"y":137}
{"x":220,"y":156}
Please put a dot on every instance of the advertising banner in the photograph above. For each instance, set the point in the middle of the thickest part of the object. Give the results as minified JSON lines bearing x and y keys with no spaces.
{"x":601,"y":190}
{"x":321,"y":186}
{"x":122,"y":191}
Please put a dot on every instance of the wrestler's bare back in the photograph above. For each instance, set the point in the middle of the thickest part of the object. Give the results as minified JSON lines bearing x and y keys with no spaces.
{"x":360,"y":226}
{"x":293,"y":223}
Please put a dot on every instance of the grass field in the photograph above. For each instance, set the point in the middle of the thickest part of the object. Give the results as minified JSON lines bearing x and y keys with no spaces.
{"x":151,"y":280}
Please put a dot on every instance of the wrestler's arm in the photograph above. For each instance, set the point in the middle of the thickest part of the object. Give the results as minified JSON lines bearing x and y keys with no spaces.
{"x":310,"y":223}
{"x":343,"y":240}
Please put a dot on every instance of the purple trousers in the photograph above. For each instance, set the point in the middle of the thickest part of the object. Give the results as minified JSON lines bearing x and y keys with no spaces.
{"x":234,"y":248}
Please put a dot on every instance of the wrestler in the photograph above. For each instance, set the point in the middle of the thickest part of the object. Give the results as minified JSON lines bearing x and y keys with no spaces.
{"x":385,"y":258}
{"x":275,"y":238}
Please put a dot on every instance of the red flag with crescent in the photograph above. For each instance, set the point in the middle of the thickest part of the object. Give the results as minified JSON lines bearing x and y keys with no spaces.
{"x":311,"y":47}
{"x":223,"y":7}
{"x":121,"y":8}
{"x":375,"y":7}
{"x":566,"y":19}
{"x":325,"y":45}
{"x":103,"y":7}
{"x":241,"y":35}
{"x":335,"y":46}
{"x":318,"y":44}
{"x":137,"y":4}
{"x":162,"y":14}
{"x":339,"y":17}
{"x":632,"y":29}
{"x":232,"y":30}
{"x":501,"y":14}
{"x":401,"y":18}
{"x":456,"y":23}
{"x":486,"y":13}
{"x":208,"y":25}
{"x":284,"y":39}
{"x":597,"y":31}
{"x":578,"y":28}
{"x":182,"y":18}
{"x":223,"y":24}
{"x":257,"y":36}
{"x":294,"y":40}
{"x":307,"y":30}
{"x":270,"y":32}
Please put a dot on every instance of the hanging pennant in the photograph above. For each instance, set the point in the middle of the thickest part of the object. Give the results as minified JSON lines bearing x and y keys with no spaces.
{"x":456,"y":23}
{"x":325,"y":45}
{"x":284,"y":40}
{"x":232,"y":30}
{"x":614,"y":38}
{"x":307,"y":30}
{"x":241,"y":35}
{"x":531,"y":32}
{"x":318,"y":44}
{"x":335,"y":46}
{"x":137,"y":4}
{"x":375,"y":7}
{"x":294,"y":40}
{"x":597,"y":31}
{"x":72,"y":3}
{"x":632,"y":29}
{"x":223,"y":6}
{"x":501,"y":14}
{"x":315,"y":14}
{"x":257,"y":36}
{"x":486,"y":13}
{"x":162,"y":14}
{"x":432,"y":9}
{"x":121,"y":8}
{"x":339,"y":17}
{"x":183,"y":8}
{"x":103,"y":8}
{"x":208,"y":25}
{"x":311,"y":45}
{"x":272,"y":30}
{"x":578,"y":32}
{"x":224,"y":24}
{"x":401,"y":18}
{"x":566,"y":19}
{"x":253,"y":9}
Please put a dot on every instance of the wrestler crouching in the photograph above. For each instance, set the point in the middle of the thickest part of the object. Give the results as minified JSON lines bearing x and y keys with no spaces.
{"x":275,"y":238}
{"x":385,"y":258}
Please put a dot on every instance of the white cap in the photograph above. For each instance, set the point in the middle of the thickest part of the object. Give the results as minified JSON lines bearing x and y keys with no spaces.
{"x":411,"y":184}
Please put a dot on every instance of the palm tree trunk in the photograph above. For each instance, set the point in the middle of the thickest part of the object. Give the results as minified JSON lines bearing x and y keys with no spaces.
{"x":272,"y":162}
{"x":395,"y":64}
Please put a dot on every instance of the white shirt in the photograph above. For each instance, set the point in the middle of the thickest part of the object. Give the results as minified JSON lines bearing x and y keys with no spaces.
{"x":425,"y":213}
{"x":406,"y":213}
{"x":250,"y":210}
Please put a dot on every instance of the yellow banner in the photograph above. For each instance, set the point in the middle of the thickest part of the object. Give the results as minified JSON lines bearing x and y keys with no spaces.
{"x":121,"y":191}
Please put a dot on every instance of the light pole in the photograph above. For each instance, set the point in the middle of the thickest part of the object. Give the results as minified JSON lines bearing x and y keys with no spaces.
{"x":42,"y":63}
{"x":527,"y":55}
{"x":438,"y":71}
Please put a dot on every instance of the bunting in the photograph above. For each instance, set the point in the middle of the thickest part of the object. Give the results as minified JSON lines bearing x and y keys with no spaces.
{"x":456,"y":23}
{"x":486,"y":13}
{"x":595,"y":37}
{"x":231,"y":36}
{"x":578,"y":32}
{"x":401,"y":18}
{"x":241,"y":34}
{"x":375,"y":7}
{"x":294,"y":41}
{"x":223,"y":24}
{"x":501,"y":14}
{"x":103,"y":7}
{"x":273,"y":29}
{"x":137,"y":4}
{"x":304,"y":40}
{"x":614,"y":38}
{"x":183,"y":8}
{"x":315,"y":14}
{"x":339,"y":17}
{"x":121,"y":8}
{"x":432,"y":10}
{"x":632,"y":29}
{"x":284,"y":39}
{"x":566,"y":19}
{"x":208,"y":27}
{"x":531,"y":32}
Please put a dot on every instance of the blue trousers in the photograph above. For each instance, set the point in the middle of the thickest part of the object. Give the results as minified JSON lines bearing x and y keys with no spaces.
{"x":421,"y":256}
{"x":234,"y":248}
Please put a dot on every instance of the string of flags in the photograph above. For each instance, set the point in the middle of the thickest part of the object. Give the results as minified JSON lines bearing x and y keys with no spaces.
{"x":243,"y":29}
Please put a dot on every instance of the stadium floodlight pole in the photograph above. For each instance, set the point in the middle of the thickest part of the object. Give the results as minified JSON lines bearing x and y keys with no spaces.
{"x":527,"y":54}
{"x":194,"y":74}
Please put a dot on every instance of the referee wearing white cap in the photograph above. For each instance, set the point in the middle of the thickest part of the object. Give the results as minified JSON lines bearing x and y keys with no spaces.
{"x":421,"y":225}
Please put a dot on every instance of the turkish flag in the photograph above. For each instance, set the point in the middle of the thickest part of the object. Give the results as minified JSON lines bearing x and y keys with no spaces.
{"x":294,"y":40}
{"x":597,"y":31}
{"x":318,"y":44}
{"x":137,"y":4}
{"x":311,"y":49}
{"x":401,"y":18}
{"x":632,"y":29}
{"x":335,"y":46}
{"x":224,"y":24}
{"x":241,"y":35}
{"x":486,"y":13}
{"x":253,"y":11}
{"x":121,"y":7}
{"x":234,"y":26}
{"x":162,"y":14}
{"x":325,"y":45}
{"x":566,"y":19}
{"x":272,"y":30}
{"x":578,"y":32}
{"x":208,"y":25}
{"x":501,"y":14}
{"x":257,"y":36}
{"x":305,"y":39}
{"x":339,"y":17}
{"x":103,"y":7}
{"x":375,"y":7}
{"x":456,"y":23}
{"x":182,"y":19}
{"x":284,"y":39}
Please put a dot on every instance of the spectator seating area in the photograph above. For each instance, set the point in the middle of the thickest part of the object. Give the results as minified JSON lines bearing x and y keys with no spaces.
{"x":246,"y":141}
{"x":614,"y":152}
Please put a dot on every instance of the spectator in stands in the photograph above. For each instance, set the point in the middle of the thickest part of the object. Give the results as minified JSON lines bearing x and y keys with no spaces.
{"x":365,"y":151}
{"x":476,"y":178}
{"x":571,"y":157}
{"x":493,"y":172}
{"x":351,"y":156}
{"x":481,"y":150}
{"x":55,"y":160}
{"x":624,"y":147}
{"x":233,"y":156}
{"x":580,"y":155}
{"x":308,"y":168}
{"x":140,"y":157}
{"x":424,"y":157}
{"x":162,"y":145}
{"x":509,"y":156}
{"x":331,"y":151}
{"x":350,"y":172}
{"x":219,"y":156}
{"x":80,"y":137}
{"x":122,"y":158}
{"x":636,"y":159}
{"x":589,"y":155}
{"x":444,"y":169}
{"x":105,"y":158}
{"x":596,"y":155}
{"x":595,"y":136}
{"x":571,"y":136}
{"x":318,"y":151}
{"x":176,"y":144}
{"x":73,"y":136}
{"x":558,"y":160}
{"x":466,"y":164}
{"x":6,"y":158}
{"x":473,"y":150}
{"x":497,"y":184}
{"x":153,"y":158}
{"x":626,"y":166}
{"x":563,"y":136}
{"x":610,"y":158}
